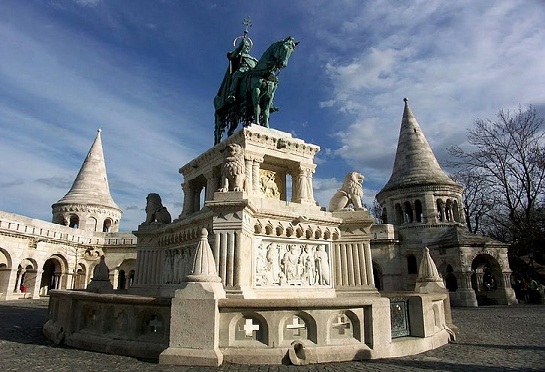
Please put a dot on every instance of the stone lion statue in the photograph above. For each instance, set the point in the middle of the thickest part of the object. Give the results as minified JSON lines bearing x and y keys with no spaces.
{"x":349,"y":194}
{"x":155,"y":211}
{"x":233,"y":170}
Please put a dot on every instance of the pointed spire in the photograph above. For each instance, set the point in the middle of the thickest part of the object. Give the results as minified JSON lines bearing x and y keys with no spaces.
{"x":204,"y":265}
{"x":415,"y":163}
{"x":428,"y":280}
{"x":91,"y":184}
{"x":427,"y":271}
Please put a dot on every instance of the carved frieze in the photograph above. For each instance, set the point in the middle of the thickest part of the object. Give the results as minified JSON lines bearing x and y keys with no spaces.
{"x":297,"y":264}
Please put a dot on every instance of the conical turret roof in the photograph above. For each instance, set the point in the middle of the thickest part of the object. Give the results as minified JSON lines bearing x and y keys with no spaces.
{"x":415,"y":163}
{"x":91,"y":184}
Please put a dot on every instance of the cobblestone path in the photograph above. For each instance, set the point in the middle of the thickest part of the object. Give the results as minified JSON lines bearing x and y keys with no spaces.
{"x":496,"y":338}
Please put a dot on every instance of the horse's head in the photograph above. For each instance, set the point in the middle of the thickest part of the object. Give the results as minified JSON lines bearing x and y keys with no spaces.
{"x":283,"y":51}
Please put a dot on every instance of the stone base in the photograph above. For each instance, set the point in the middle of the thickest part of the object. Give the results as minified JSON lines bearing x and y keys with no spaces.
{"x":100,"y":286}
{"x":463,"y":297}
{"x":191,"y":357}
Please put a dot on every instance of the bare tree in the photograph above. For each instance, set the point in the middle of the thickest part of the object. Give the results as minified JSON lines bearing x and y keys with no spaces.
{"x":477,"y":202}
{"x":377,"y":212}
{"x":508,"y":157}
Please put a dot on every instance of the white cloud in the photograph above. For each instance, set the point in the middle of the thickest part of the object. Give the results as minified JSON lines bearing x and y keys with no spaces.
{"x":455,"y":61}
{"x":89,"y":3}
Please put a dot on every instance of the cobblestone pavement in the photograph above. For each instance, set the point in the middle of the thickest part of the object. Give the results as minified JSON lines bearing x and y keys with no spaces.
{"x":496,"y":338}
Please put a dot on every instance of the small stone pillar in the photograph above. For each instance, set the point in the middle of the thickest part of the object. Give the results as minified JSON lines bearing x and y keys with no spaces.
{"x":194,"y":319}
{"x":101,"y":279}
{"x":429,"y":280}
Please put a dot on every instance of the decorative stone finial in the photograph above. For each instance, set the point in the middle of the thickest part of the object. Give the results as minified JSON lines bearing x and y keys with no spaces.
{"x":427,"y":271}
{"x":99,"y":130}
{"x":428,"y":280}
{"x":204,"y":265}
{"x":101,"y":278}
{"x":405,"y":100}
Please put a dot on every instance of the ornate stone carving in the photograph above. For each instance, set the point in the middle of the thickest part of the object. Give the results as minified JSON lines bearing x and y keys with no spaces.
{"x":268,"y":186}
{"x":349,"y":194}
{"x":282,"y":264}
{"x":233,"y":169}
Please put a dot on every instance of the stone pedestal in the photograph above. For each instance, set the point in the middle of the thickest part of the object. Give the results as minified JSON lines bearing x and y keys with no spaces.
{"x":194,"y":327}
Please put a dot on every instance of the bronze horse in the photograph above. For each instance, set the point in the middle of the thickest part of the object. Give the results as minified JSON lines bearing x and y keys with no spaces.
{"x":255,"y":93}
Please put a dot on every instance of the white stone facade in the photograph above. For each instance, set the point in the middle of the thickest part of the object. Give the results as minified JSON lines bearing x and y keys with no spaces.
{"x":423,"y":208}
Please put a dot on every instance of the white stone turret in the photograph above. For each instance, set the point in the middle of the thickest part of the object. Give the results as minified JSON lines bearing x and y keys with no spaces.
{"x":88,"y":205}
{"x":419,"y":191}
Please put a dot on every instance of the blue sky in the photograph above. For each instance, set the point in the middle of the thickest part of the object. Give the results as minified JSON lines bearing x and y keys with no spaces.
{"x":146,"y":73}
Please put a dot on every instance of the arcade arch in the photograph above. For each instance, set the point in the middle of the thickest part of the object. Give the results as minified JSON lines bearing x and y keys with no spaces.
{"x":54,"y":275}
{"x":126,"y":273}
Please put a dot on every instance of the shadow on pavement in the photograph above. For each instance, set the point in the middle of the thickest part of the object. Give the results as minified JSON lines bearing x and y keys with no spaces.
{"x":23,"y":324}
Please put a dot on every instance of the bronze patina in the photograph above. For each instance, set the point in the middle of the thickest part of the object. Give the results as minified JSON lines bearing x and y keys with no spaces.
{"x":247,"y":91}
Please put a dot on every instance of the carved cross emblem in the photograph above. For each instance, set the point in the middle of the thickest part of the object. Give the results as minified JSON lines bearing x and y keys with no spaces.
{"x":296,"y":326}
{"x":250,"y":327}
{"x":155,"y":324}
{"x":343,"y":323}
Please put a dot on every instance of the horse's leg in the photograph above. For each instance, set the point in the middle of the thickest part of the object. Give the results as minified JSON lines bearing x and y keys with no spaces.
{"x":267,"y":99}
{"x":255,"y":101}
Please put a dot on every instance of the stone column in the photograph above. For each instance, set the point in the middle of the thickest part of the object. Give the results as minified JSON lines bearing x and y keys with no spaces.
{"x":19,"y":280}
{"x":248,"y":168}
{"x":197,"y":199}
{"x":188,"y":199}
{"x":211,"y":185}
{"x":255,"y":174}
{"x":302,"y":191}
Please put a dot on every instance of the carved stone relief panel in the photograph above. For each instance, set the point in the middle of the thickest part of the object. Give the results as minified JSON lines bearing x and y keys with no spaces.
{"x":292,"y":264}
{"x":176,"y":265}
{"x":269,"y":184}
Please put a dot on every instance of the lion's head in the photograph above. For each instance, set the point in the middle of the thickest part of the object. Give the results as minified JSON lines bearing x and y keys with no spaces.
{"x":154,"y":203}
{"x":234,"y":159}
{"x":352,"y":184}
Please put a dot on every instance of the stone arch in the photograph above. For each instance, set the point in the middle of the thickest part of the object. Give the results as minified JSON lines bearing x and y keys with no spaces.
{"x":80,"y":279}
{"x":456,"y":211}
{"x":5,"y":258}
{"x":123,"y":273}
{"x":486,"y":278}
{"x":54,"y":274}
{"x":490,"y":269}
{"x":121,"y":279}
{"x":412,"y":264}
{"x":407,"y":212}
{"x":73,"y":221}
{"x":299,"y":325}
{"x":398,"y":214}
{"x":451,"y":281}
{"x":248,"y":326}
{"x":418,"y":210}
{"x":92,"y":224}
{"x":107,"y":225}
{"x":344,"y":325}
{"x":440,"y":210}
{"x":5,"y":270}
{"x":26,"y":276}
